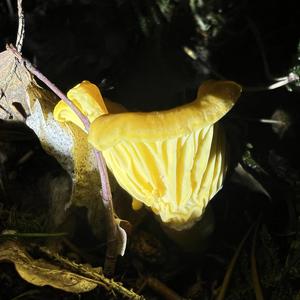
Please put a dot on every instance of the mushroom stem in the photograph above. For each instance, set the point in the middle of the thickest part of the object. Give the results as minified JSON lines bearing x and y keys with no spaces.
{"x":111,"y":226}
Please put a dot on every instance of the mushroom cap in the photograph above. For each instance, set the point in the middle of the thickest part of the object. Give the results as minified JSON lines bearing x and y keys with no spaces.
{"x":88,"y":99}
{"x":172,"y":161}
{"x":214,"y":99}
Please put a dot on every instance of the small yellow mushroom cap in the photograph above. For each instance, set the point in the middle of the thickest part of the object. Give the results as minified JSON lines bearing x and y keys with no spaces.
{"x":172,"y":161}
{"x":88,"y":99}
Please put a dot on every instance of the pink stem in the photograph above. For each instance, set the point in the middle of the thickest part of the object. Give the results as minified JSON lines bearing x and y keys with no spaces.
{"x":111,"y":252}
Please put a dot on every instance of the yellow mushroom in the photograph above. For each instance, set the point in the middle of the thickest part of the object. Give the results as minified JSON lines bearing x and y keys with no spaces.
{"x":172,"y":161}
{"x":88,"y":99}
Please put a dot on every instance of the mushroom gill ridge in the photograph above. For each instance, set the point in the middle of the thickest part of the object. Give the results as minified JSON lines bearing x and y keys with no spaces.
{"x":175,"y":177}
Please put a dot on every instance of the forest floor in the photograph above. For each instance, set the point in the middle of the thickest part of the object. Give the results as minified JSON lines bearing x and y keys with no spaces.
{"x":150,"y":56}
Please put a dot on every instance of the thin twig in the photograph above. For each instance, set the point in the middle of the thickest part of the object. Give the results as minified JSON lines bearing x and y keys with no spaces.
{"x":30,"y":293}
{"x":111,"y":226}
{"x":98,"y":277}
{"x":292,"y":77}
{"x":254,"y":273}
{"x":21,"y":27}
{"x":226,"y":280}
{"x":261,"y":47}
{"x":263,"y":121}
{"x":111,"y":252}
{"x":33,"y":234}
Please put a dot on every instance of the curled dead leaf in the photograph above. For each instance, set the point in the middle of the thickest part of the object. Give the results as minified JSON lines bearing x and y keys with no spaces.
{"x":68,"y":144}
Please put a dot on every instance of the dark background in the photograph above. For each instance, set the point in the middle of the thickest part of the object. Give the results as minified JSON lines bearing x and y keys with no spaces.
{"x":134,"y":51}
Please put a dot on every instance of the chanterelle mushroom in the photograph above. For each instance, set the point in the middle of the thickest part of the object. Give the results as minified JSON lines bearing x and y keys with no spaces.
{"x":87,"y":97}
{"x":172,"y":161}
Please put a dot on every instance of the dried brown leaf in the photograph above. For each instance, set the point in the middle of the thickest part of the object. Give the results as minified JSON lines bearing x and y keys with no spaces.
{"x":14,"y":79}
{"x":68,"y":144}
{"x":40,"y":272}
